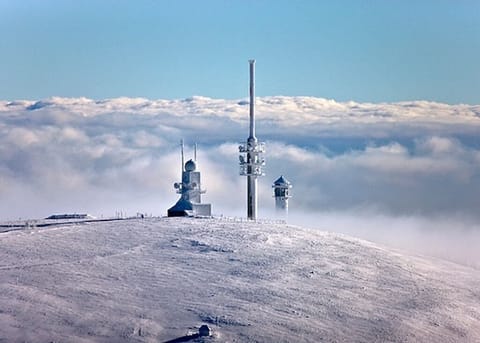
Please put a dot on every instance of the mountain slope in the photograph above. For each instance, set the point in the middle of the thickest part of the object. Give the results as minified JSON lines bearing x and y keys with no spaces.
{"x":155,"y":280}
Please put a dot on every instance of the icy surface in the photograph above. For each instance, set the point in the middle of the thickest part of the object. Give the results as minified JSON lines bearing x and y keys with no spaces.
{"x":157,"y":280}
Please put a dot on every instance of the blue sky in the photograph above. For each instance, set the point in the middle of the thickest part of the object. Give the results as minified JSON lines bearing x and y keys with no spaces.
{"x":367,"y":51}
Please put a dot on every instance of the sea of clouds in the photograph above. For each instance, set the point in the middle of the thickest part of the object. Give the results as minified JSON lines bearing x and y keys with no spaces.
{"x":406,"y":174}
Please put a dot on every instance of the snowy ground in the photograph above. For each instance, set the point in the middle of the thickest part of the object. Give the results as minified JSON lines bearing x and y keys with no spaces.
{"x":156,"y":280}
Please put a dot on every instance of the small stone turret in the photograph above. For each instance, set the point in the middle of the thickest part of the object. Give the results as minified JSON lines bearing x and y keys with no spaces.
{"x":281,"y":192}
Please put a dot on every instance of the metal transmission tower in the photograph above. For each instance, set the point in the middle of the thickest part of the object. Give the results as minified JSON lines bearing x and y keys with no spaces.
{"x":251,"y":154}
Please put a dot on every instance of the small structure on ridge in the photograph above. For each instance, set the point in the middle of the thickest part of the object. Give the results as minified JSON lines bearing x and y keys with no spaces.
{"x":204,"y":331}
{"x":281,"y":192}
{"x":70,"y":216}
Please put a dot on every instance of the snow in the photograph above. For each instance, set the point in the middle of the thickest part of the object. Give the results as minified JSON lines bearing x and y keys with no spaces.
{"x":155,"y":280}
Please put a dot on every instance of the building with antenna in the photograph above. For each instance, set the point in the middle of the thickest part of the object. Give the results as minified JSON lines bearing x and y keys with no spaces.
{"x":251,"y":154}
{"x":281,"y":192}
{"x":190,"y":190}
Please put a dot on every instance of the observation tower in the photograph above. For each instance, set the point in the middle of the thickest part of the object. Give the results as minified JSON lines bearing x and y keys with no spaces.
{"x":281,"y":192}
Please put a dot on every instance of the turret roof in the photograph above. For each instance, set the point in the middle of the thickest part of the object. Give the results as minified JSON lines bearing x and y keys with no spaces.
{"x":281,"y":181}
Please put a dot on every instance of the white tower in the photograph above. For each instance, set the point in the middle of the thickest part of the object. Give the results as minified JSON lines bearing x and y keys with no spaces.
{"x":251,"y":159}
{"x":281,"y":192}
{"x":190,"y":190}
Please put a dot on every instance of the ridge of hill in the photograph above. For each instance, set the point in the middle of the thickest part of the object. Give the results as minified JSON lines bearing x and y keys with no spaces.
{"x":157,"y":280}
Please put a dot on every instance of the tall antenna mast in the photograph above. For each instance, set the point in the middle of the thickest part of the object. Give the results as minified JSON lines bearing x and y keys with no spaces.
{"x":183,"y":158}
{"x":251,"y":160}
{"x":195,"y":152}
{"x":252,"y":100}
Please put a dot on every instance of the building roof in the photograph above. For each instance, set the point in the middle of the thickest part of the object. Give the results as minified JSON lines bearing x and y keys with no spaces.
{"x":182,"y":208}
{"x":281,"y":181}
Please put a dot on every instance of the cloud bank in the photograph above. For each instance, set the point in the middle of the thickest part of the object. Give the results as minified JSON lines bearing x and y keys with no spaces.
{"x":408,"y":159}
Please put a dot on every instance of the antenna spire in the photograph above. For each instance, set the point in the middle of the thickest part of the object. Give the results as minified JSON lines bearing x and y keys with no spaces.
{"x":183,"y":158}
{"x":252,"y":100}
{"x":251,"y":154}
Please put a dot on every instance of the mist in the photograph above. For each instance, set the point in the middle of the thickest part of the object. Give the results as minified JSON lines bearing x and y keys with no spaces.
{"x":402,"y":174}
{"x":454,"y":238}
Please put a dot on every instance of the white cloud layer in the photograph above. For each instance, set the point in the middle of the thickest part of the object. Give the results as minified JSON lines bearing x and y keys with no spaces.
{"x":396,"y":159}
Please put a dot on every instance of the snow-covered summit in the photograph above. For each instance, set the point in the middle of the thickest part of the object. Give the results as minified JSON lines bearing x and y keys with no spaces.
{"x":155,"y":280}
